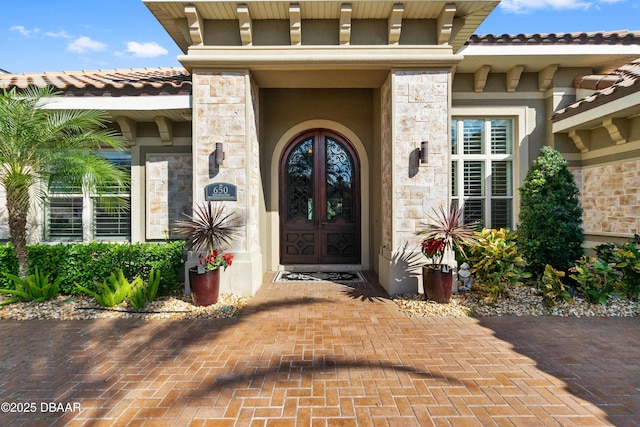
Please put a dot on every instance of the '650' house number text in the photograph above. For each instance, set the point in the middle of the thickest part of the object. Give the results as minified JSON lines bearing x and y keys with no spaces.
{"x":221,"y":191}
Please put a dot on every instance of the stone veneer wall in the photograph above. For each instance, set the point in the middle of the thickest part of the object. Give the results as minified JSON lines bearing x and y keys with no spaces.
{"x":224,"y":111}
{"x":610,"y":196}
{"x":415,"y":108}
{"x":168,"y":189}
{"x":219,"y":116}
{"x":420,"y":100}
{"x":387,"y":170}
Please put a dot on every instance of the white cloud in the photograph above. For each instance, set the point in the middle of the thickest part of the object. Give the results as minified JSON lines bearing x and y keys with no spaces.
{"x":146,"y":50}
{"x":85,"y":44}
{"x":23,"y":31}
{"x":524,"y":6}
{"x":60,"y":34}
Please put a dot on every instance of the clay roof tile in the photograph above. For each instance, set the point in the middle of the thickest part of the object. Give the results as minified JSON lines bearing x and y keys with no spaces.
{"x":622,"y":82}
{"x":138,"y":79}
{"x":614,"y":37}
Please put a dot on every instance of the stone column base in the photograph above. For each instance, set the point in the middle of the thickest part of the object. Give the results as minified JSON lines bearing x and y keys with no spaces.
{"x":401,"y":271}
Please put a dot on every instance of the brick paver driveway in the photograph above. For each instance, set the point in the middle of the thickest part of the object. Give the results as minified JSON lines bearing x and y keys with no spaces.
{"x":322,"y":354}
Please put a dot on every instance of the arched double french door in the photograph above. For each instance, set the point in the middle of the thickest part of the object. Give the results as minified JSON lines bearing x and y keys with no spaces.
{"x":319,"y":200}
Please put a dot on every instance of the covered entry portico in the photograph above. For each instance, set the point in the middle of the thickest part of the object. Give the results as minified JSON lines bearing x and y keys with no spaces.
{"x":374,"y":75}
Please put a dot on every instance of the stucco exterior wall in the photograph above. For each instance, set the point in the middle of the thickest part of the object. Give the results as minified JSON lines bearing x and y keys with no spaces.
{"x":282,"y":109}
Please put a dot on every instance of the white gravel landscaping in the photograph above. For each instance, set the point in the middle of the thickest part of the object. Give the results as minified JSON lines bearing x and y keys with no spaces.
{"x":84,"y":307}
{"x":521,"y":301}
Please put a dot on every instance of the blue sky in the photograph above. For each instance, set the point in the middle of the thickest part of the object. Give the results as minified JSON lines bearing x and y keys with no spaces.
{"x":72,"y":35}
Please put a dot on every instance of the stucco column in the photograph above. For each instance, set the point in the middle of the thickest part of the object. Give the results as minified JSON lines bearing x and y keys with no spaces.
{"x":415,"y":108}
{"x":225,"y":111}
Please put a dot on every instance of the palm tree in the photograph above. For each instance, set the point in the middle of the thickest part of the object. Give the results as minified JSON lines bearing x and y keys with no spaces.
{"x":42,"y":149}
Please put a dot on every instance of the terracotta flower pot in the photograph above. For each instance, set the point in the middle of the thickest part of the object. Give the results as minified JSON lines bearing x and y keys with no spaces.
{"x":204,"y":287}
{"x":437,"y":284}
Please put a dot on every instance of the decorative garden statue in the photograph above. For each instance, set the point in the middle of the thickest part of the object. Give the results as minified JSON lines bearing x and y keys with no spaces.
{"x":465,"y":277}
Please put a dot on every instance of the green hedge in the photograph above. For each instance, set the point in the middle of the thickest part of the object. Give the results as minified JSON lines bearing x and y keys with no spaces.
{"x":8,"y":264}
{"x":88,"y":263}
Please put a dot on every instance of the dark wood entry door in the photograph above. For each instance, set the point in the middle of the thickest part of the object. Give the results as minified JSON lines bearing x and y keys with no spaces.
{"x":319,"y":200}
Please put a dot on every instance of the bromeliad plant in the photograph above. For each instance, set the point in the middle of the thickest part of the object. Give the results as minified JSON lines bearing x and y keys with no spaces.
{"x":117,"y":289}
{"x":36,"y":287}
{"x":210,"y":228}
{"x":112,"y":291}
{"x":446,"y":231}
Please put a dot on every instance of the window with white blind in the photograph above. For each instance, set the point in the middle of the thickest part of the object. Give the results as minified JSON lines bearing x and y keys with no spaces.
{"x":482,"y":167}
{"x":71,"y":215}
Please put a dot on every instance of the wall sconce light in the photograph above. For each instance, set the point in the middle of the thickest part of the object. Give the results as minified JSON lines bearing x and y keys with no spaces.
{"x":219,"y":154}
{"x":424,"y":153}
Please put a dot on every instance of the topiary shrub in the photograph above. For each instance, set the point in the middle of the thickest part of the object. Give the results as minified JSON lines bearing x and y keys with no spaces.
{"x":550,"y":229}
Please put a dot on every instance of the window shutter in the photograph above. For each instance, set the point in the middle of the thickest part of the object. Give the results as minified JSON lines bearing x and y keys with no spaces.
{"x":501,"y":179}
{"x":114,"y":223}
{"x":501,"y":136}
{"x":473,"y":135}
{"x":111,"y":223}
{"x":65,"y":218}
{"x":474,"y":178}
{"x":501,"y":213}
{"x":482,"y":156}
{"x":474,"y":211}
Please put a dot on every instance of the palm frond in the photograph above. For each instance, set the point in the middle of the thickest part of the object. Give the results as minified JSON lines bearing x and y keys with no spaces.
{"x":87,"y":170}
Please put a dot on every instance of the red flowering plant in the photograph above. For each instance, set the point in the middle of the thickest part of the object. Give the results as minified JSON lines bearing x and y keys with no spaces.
{"x":446,"y":231}
{"x":434,"y":248}
{"x":214,"y":260}
{"x":210,"y":228}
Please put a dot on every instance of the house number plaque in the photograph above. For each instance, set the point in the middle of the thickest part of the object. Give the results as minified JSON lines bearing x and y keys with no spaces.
{"x":221,"y":191}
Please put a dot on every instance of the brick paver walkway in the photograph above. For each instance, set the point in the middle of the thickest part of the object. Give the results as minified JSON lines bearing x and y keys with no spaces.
{"x":322,"y":354}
